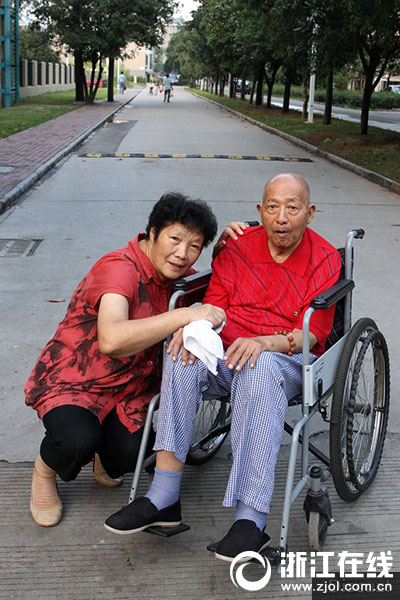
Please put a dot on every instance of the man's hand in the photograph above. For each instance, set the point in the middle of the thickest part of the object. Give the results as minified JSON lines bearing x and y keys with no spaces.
{"x":175,"y":345}
{"x":232,"y":230}
{"x":240,"y":351}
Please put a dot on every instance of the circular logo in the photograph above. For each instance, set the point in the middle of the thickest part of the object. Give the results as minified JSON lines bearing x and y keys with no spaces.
{"x":239,"y":579}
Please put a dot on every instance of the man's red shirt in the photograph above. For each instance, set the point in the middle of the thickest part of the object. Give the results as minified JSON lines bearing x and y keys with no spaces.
{"x":72,"y":370}
{"x":261,"y":296}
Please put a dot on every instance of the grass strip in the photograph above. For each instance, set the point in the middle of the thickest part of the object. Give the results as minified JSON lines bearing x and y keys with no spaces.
{"x":378,"y":151}
{"x":35,"y":110}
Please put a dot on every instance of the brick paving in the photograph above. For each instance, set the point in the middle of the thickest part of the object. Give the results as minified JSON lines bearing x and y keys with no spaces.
{"x":28,"y":150}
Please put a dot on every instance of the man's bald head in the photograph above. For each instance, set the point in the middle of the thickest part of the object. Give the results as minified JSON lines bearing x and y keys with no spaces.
{"x":301,"y":184}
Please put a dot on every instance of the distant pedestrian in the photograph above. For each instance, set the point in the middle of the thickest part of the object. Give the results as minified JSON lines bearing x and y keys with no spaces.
{"x":122,"y":83}
{"x":167,"y":85}
{"x":151,"y":87}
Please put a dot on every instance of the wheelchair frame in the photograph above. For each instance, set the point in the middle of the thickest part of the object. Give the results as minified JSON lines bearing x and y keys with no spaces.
{"x":319,"y":385}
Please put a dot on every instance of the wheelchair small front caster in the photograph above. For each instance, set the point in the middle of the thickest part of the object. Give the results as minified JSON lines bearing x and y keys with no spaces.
{"x":317,"y":531}
{"x":318,"y":511}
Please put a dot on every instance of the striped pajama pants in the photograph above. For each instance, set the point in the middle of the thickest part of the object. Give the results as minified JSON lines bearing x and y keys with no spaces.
{"x":259,"y":398}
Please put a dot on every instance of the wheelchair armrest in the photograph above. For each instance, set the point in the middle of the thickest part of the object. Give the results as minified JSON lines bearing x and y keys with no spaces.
{"x":336,"y":292}
{"x":192,"y":282}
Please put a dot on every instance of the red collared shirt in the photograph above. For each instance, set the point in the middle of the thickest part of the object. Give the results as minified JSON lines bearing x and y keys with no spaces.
{"x":261,"y":296}
{"x":72,"y":370}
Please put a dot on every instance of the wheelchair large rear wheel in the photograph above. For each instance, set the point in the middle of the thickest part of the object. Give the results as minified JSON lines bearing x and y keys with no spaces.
{"x":211,"y":428}
{"x":360,"y":409}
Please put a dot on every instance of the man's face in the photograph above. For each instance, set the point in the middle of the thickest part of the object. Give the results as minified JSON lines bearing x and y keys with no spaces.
{"x":175,"y":250}
{"x":285,"y":213}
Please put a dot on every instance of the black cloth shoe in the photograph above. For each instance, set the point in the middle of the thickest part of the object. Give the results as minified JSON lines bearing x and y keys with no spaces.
{"x":243,"y":535}
{"x":141,"y":514}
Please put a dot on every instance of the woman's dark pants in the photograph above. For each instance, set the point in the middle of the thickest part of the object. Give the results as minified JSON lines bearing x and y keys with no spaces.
{"x":74,"y":434}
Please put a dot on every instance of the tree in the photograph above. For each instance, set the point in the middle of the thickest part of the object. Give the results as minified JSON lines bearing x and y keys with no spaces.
{"x":375,"y":29}
{"x":35,"y":44}
{"x":96,"y":29}
{"x":332,"y":43}
{"x":292,"y":41}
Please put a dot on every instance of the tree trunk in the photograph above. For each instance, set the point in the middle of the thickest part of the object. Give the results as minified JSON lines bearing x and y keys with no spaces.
{"x":253,"y":89}
{"x":270,"y":82}
{"x":110,"y":82}
{"x":232,"y":86}
{"x":243,"y":90}
{"x":80,"y":81}
{"x":286,"y":94}
{"x":369,"y":88}
{"x":260,"y":86}
{"x":95,"y":86}
{"x":328,"y":98}
{"x":222,"y":86}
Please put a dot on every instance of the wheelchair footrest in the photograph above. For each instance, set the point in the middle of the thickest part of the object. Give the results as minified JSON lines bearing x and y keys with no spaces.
{"x":272,"y":554}
{"x":168,"y":531}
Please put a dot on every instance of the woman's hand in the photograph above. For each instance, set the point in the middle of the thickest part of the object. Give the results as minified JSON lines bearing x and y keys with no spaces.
{"x":232,"y":230}
{"x":211,"y":313}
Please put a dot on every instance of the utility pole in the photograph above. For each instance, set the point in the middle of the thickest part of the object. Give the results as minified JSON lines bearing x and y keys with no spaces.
{"x":312,"y":75}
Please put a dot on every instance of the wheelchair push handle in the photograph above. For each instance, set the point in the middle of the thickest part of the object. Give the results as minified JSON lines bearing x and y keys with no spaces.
{"x":358,"y":233}
{"x":192,"y":282}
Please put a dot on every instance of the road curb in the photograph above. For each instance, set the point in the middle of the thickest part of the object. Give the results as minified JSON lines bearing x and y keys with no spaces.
{"x":385,"y":182}
{"x":13,"y":195}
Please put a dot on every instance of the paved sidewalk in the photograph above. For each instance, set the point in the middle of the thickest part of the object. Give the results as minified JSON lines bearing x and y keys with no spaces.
{"x":30,"y":153}
{"x":80,"y":560}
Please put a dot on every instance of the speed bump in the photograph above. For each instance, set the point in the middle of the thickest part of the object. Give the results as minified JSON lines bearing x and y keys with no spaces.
{"x":176,"y":155}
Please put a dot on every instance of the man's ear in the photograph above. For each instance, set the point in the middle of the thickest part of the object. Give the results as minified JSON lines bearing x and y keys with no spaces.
{"x":311,"y":211}
{"x":259,"y":209}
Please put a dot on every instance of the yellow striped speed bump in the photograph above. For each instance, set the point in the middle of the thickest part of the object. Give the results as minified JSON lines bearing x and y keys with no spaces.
{"x":215,"y":156}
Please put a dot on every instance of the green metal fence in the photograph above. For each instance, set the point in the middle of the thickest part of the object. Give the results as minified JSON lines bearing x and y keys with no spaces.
{"x":9,"y":52}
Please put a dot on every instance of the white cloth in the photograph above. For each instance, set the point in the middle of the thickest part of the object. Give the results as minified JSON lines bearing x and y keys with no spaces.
{"x":203,"y":341}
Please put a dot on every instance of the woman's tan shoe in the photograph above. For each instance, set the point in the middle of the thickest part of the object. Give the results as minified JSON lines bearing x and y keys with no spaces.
{"x":46,"y":507}
{"x":101,"y":476}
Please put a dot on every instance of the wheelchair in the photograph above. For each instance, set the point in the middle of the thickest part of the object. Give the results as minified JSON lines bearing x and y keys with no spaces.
{"x":348,"y":386}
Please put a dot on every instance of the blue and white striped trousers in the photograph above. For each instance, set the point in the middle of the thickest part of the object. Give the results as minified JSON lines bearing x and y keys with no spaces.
{"x":259,"y":398}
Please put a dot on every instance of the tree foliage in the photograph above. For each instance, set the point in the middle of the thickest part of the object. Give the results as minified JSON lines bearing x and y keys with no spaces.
{"x":35,"y":44}
{"x":96,"y":29}
{"x":255,"y":37}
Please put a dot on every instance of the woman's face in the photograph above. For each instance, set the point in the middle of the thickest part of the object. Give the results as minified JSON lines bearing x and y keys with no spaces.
{"x":175,"y":250}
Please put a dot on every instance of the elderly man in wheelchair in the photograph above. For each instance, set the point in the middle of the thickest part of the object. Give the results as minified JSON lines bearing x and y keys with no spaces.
{"x":265,"y":281}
